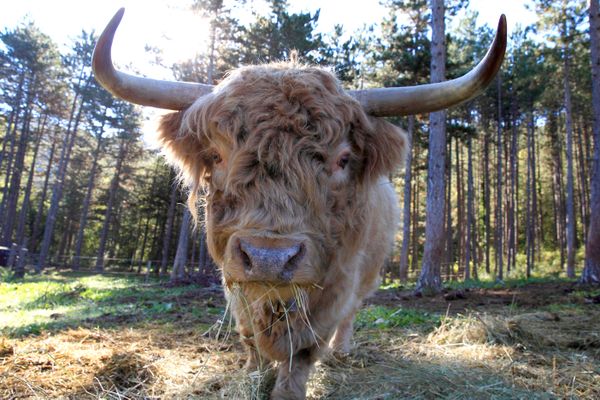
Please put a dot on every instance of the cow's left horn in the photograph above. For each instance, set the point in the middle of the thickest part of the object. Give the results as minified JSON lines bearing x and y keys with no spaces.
{"x":144,"y":91}
{"x":389,"y":102}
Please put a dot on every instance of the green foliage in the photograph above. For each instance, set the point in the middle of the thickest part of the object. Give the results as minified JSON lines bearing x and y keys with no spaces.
{"x":380,"y":317}
{"x":39,"y":303}
{"x":273,"y":37}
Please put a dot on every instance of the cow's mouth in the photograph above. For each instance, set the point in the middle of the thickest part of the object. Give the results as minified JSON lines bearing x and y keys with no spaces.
{"x":272,"y":308}
{"x":281,"y":312}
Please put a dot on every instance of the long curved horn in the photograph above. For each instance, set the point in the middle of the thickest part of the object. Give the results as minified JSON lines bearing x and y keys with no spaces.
{"x":144,"y":91}
{"x":407,"y":100}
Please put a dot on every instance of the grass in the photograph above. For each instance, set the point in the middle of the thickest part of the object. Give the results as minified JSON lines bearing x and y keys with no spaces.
{"x":56,"y":301}
{"x":380,"y":317}
{"x":68,"y":335}
{"x":490,"y":283}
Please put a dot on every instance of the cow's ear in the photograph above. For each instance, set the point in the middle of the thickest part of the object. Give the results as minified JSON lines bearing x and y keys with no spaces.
{"x":183,"y":148}
{"x":383,"y":147}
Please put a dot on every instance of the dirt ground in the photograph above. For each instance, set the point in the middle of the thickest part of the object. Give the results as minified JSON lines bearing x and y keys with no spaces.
{"x":531,"y":296}
{"x":540,"y":341}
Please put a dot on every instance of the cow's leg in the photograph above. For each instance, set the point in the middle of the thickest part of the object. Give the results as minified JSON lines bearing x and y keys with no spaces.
{"x":292,"y":378}
{"x":342,"y":340}
{"x":254,"y":360}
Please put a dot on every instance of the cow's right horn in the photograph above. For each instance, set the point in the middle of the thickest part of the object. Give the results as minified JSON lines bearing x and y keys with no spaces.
{"x":407,"y":100}
{"x":144,"y":91}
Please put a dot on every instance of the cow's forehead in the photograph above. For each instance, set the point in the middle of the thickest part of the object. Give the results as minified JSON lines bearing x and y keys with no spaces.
{"x":272,"y":83}
{"x":301,"y":107}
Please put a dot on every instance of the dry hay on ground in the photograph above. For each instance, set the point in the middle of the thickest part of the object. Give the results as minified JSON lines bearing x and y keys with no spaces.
{"x":558,"y":352}
{"x":532,"y":355}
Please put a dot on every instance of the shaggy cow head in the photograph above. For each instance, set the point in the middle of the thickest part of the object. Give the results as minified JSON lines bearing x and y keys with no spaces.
{"x":287,"y":156}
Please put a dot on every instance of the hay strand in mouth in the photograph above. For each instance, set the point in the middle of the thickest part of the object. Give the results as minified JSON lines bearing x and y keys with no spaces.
{"x":282,"y":304}
{"x":302,"y":302}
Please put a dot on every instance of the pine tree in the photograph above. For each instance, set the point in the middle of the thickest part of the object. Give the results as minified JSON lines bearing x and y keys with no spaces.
{"x":591,"y":271}
{"x":274,"y":37}
{"x":430,"y":281}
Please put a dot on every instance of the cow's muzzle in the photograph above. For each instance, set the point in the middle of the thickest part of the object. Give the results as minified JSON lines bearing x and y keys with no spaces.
{"x":268,"y":259}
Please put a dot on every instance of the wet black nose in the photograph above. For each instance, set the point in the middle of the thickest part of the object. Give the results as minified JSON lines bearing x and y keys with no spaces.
{"x":270,"y":262}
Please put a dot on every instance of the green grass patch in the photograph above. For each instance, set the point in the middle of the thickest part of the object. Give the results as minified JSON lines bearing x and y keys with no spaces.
{"x":384,"y":317}
{"x":561,"y":307}
{"x":586,"y":293}
{"x":53,"y":301}
{"x":491,"y":283}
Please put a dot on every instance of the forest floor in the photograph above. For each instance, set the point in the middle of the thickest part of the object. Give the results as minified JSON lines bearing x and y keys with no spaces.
{"x":83,"y":336}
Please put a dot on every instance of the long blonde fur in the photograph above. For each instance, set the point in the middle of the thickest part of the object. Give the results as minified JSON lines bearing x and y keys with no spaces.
{"x":264,"y":145}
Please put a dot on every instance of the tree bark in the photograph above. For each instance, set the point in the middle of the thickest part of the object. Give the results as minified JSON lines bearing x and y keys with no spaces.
{"x":178,"y":272}
{"x":26,"y":197}
{"x":487,"y":197}
{"x":403,"y":272}
{"x":429,"y":281}
{"x":591,"y":270}
{"x":14,"y":189}
{"x":40,"y":209}
{"x":499,"y":213}
{"x":21,"y":240}
{"x":114,"y":186}
{"x":10,"y":137}
{"x":414,"y":262}
{"x":86,"y":205}
{"x":470,"y":214}
{"x":447,"y":210}
{"x":512,"y":211}
{"x":168,"y":231}
{"x":570,"y":175}
{"x":531,"y":198}
{"x":584,"y":203}
{"x":57,"y":189}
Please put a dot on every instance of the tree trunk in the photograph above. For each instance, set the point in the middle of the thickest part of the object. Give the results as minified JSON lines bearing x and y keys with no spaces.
{"x":21,"y":240}
{"x":168,"y":231}
{"x":178,"y":272}
{"x":448,"y":212}
{"x":470,"y":214}
{"x":144,"y":241}
{"x":26,"y":198}
{"x":460,"y":206}
{"x":10,"y":214}
{"x":531,"y":198}
{"x":570,"y":176}
{"x":40,"y":209}
{"x":403,"y":273}
{"x":584,"y":204}
{"x":57,"y":189}
{"x":429,"y":281}
{"x":114,"y":186}
{"x":487,"y":197}
{"x":537,"y":195}
{"x":414,"y":262}
{"x":86,"y":204}
{"x":499,"y":176}
{"x":557,"y":187}
{"x":10,"y":136}
{"x":591,"y":270}
{"x":512,"y":209}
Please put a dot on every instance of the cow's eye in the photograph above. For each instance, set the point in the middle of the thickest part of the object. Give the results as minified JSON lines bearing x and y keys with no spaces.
{"x":216,"y":158}
{"x":343,"y":160}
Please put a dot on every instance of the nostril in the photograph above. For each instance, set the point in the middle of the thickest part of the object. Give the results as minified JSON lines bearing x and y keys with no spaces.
{"x":244,"y":257}
{"x":292,"y":263}
{"x":295,"y":259}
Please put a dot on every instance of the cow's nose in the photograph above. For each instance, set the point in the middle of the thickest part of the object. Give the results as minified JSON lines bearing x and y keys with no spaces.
{"x":271,"y":262}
